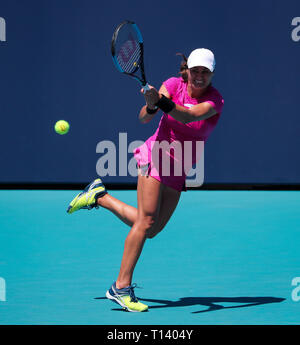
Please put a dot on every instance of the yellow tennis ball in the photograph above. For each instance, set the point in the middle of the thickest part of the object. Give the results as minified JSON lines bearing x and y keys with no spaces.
{"x":62,"y":127}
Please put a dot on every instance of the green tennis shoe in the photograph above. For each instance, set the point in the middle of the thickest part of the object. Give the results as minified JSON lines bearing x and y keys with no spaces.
{"x":87,"y":199}
{"x":126,"y":298}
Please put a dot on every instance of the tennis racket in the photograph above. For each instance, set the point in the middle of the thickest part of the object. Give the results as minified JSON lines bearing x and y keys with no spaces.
{"x":127,"y":51}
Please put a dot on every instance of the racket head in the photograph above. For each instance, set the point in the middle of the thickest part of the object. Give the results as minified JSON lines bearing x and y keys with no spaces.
{"x":127,"y":51}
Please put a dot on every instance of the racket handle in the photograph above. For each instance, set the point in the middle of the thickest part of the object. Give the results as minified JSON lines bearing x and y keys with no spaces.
{"x":146,"y":88}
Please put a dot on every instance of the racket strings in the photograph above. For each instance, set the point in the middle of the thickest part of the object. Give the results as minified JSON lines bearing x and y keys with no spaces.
{"x":129,"y":56}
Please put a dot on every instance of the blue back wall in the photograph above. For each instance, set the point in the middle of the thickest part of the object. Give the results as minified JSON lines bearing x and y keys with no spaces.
{"x":56,"y":64}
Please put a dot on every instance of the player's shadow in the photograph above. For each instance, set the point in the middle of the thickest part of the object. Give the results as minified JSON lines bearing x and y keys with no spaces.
{"x":213,"y":303}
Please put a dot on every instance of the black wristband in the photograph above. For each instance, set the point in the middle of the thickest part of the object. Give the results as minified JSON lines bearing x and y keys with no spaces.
{"x":151,"y":111}
{"x":165,"y":104}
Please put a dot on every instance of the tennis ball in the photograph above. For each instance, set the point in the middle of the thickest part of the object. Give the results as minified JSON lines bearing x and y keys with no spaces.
{"x":62,"y":127}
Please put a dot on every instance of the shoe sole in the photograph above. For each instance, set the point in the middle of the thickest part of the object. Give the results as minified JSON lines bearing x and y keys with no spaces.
{"x":109,"y":296}
{"x":73,"y":202}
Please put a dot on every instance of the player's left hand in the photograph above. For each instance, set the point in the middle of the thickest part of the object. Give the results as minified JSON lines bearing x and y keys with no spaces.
{"x":151,"y":96}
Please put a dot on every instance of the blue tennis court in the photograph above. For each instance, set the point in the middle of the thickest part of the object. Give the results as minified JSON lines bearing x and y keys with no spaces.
{"x":225,"y":258}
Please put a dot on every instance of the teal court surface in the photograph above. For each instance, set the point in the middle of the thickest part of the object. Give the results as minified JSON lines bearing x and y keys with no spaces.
{"x":225,"y":258}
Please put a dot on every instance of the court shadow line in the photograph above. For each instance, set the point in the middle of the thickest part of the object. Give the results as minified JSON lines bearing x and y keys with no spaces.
{"x":213,"y":303}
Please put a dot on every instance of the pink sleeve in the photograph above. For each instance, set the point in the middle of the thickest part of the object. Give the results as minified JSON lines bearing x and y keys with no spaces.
{"x":171,"y":85}
{"x":216,"y":100}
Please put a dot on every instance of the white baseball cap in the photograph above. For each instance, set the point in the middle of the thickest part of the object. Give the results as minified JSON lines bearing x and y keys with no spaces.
{"x":202,"y":57}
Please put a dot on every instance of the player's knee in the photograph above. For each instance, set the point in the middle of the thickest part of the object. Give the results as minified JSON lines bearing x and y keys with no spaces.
{"x":148,"y":221}
{"x":147,"y":224}
{"x":150,"y":226}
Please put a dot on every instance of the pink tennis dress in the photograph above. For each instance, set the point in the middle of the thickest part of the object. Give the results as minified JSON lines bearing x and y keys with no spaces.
{"x":171,"y":151}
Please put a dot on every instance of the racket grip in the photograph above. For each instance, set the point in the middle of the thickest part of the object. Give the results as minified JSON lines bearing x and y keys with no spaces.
{"x":146,"y":88}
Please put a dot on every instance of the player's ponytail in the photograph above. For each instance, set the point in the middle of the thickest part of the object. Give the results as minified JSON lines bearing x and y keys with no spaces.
{"x":183,"y":67}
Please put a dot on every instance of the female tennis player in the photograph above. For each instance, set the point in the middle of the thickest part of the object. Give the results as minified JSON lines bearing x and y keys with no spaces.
{"x":191,"y":109}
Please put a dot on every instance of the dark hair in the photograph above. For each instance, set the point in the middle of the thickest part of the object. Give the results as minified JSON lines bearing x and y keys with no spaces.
{"x":183,"y":67}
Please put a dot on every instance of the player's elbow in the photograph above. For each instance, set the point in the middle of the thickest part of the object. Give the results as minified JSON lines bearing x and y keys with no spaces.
{"x":142,"y":115}
{"x":143,"y":119}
